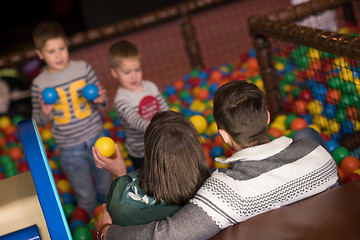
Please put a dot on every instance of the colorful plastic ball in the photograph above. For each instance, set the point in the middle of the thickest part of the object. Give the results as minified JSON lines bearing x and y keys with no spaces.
{"x":46,"y":134}
{"x":179,"y":84}
{"x":315,"y":107}
{"x":97,"y":211}
{"x":217,"y":165}
{"x":290,"y":117}
{"x":330,"y":111}
{"x":68,"y":210}
{"x":63,"y":185}
{"x":279,"y":125}
{"x":170,"y":90}
{"x":351,"y":177}
{"x":332,"y":145}
{"x":275,"y":132}
{"x":340,"y":153}
{"x":82,"y":233}
{"x":15,"y":153}
{"x":106,"y":146}
{"x":16,"y":119}
{"x":212,"y":129}
{"x":90,"y":92}
{"x":49,"y":95}
{"x":298,"y":123}
{"x":5,"y":121}
{"x":217,"y":151}
{"x":67,"y":198}
{"x":349,"y":164}
{"x":199,"y":123}
{"x":299,"y":107}
{"x":80,"y":214}
{"x":76,"y":224}
{"x":347,"y":127}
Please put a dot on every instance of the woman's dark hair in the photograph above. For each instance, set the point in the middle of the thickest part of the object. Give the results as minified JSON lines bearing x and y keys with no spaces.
{"x":175,"y":165}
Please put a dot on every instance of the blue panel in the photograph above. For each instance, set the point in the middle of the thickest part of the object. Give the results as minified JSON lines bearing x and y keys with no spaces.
{"x":29,"y":233}
{"x":44,"y":182}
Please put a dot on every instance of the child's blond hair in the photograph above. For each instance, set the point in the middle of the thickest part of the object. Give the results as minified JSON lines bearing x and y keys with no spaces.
{"x":120,"y":50}
{"x":46,"y":30}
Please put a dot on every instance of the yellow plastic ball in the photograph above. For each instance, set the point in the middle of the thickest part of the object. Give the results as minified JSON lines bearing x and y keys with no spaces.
{"x":175,"y":109}
{"x":106,"y":146}
{"x":315,"y":127}
{"x":5,"y":121}
{"x":46,"y":134}
{"x":220,"y":165}
{"x":199,"y":123}
{"x":212,"y":129}
{"x":108,"y":125}
{"x":63,"y":185}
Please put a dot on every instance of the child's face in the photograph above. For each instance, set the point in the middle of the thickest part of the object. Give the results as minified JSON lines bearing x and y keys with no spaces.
{"x":55,"y":54}
{"x":129,"y":74}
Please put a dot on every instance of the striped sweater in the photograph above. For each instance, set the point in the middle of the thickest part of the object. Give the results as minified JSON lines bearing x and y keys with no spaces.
{"x":260,"y":179}
{"x":135,"y":110}
{"x":74,"y":119}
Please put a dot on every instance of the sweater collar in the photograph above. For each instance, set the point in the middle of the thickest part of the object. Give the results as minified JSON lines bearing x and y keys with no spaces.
{"x":258,"y":152}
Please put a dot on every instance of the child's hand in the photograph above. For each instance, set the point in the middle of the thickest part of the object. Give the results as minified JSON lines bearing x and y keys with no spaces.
{"x":115,"y":166}
{"x":102,"y":94}
{"x":46,"y":108}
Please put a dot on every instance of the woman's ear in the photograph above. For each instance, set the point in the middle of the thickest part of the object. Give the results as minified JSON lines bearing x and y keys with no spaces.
{"x":268,"y":121}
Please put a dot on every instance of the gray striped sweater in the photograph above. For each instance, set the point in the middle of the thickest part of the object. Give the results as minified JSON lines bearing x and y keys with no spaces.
{"x":135,"y":110}
{"x":74,"y":119}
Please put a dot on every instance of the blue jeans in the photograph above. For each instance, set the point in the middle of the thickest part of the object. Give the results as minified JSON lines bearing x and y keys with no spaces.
{"x":311,"y":133}
{"x":85,"y":178}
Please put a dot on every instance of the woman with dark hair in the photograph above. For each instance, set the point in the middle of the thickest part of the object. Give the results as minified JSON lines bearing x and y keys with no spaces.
{"x":175,"y":167}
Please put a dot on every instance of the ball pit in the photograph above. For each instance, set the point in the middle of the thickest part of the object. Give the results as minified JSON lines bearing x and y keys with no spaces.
{"x":315,"y":105}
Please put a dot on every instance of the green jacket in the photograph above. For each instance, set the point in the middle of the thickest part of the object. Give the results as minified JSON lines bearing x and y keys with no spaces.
{"x":128,"y":204}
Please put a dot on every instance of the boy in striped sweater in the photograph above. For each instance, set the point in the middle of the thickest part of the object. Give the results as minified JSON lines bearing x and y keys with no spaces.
{"x":75,"y":122}
{"x":136,"y":100}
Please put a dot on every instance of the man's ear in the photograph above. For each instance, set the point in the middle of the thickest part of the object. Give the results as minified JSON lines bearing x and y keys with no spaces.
{"x":225,"y":136}
{"x":268,"y":121}
{"x":40,"y":55}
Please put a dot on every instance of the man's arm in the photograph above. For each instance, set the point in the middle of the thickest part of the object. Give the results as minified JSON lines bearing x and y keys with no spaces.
{"x":190,"y":222}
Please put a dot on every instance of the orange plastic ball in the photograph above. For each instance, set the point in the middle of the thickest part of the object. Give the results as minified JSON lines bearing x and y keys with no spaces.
{"x":97,"y":211}
{"x":342,"y":175}
{"x":275,"y":132}
{"x":298,"y":123}
{"x":349,"y":164}
{"x":15,"y":153}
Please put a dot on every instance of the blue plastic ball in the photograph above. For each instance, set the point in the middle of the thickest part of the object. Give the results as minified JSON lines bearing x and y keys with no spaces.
{"x":90,"y":92}
{"x":67,"y":198}
{"x":217,"y":151}
{"x":49,"y":95}
{"x":332,"y":145}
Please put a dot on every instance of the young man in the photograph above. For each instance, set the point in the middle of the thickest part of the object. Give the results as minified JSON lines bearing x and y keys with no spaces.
{"x":264,"y":174}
